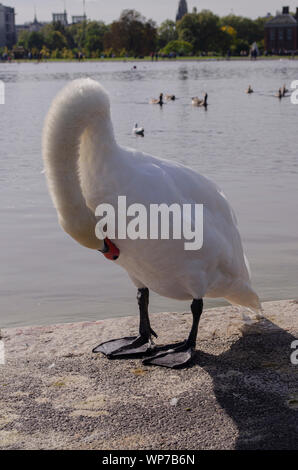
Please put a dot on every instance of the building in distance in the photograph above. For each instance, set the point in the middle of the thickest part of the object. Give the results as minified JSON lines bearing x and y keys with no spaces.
{"x":78,"y":19}
{"x":60,"y":18}
{"x":7,"y":26}
{"x":281,"y":33}
{"x":182,"y":10}
{"x":34,"y":27}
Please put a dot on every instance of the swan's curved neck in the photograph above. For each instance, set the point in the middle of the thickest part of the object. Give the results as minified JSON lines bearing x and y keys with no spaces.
{"x":68,"y":146}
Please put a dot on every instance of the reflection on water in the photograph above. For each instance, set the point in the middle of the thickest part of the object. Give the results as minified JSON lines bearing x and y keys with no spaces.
{"x":247,"y":144}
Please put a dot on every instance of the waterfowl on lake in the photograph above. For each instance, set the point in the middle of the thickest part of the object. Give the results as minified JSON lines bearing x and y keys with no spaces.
{"x":249,"y":89}
{"x":170,"y":97}
{"x":195,"y":101}
{"x":138,"y":130}
{"x":284,"y":90}
{"x":85,"y":167}
{"x":157,"y":101}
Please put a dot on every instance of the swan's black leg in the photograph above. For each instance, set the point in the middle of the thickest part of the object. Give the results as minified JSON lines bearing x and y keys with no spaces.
{"x":145,"y":329}
{"x":136,"y":345}
{"x":181,"y":354}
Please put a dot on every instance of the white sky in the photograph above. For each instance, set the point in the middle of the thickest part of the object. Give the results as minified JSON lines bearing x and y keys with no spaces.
{"x":158,"y":10}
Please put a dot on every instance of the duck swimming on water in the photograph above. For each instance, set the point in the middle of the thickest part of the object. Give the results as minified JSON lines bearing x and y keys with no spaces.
{"x":85,"y":167}
{"x":284,"y":90}
{"x":170,"y":97}
{"x":195,"y":101}
{"x":157,"y":101}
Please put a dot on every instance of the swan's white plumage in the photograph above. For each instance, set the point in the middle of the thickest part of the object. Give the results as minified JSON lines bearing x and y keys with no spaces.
{"x":86,"y":167}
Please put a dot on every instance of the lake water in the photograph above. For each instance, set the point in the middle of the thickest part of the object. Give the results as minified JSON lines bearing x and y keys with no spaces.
{"x":247,"y":144}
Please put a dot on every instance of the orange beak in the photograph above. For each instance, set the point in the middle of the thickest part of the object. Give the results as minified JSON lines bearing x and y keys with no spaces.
{"x":110,"y":250}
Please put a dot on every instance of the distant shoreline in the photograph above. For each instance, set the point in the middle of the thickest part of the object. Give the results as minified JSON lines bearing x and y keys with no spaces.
{"x":148,"y":59}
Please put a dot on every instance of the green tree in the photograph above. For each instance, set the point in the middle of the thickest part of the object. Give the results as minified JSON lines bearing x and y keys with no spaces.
{"x":211,"y":35}
{"x":149,"y":34}
{"x":134,"y":35}
{"x":166,"y":33}
{"x":35,"y":41}
{"x":247,"y":29}
{"x":204,"y":31}
{"x":240,"y":45}
{"x":23,"y":39}
{"x":94,"y":36}
{"x":131,"y":32}
{"x":77,"y":32}
{"x":65,"y":32}
{"x":55,"y":41}
{"x":188,"y":30}
{"x":179,"y":47}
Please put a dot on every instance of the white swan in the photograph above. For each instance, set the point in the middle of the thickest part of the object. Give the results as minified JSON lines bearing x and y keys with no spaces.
{"x":85,"y":167}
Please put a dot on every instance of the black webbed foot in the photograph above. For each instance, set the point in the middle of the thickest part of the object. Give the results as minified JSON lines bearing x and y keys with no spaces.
{"x":173,"y":356}
{"x":135,"y":346}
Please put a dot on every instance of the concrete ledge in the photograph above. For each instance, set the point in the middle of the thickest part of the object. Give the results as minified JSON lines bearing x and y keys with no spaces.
{"x":242,"y":392}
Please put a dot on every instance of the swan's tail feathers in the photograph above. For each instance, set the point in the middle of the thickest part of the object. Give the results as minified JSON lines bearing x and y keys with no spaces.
{"x":80,"y":105}
{"x":241,"y":293}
